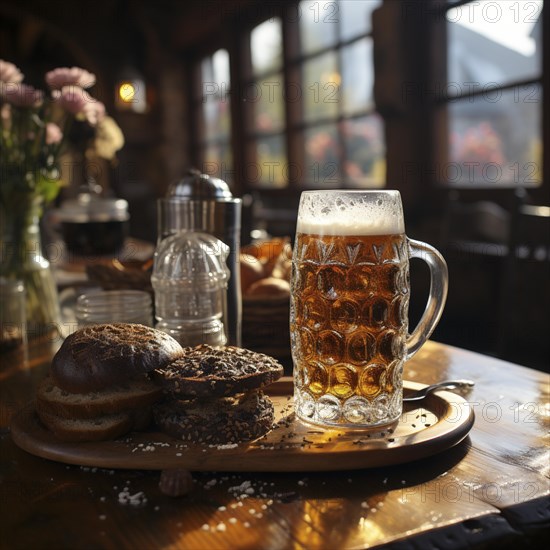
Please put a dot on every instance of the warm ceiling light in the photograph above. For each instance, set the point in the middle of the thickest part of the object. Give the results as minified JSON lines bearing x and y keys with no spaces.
{"x":126,"y":92}
{"x":130,"y":93}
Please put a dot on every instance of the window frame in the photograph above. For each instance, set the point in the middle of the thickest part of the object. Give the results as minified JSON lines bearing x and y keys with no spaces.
{"x":243,"y":133}
{"x":440,"y":117}
{"x":195,"y":94}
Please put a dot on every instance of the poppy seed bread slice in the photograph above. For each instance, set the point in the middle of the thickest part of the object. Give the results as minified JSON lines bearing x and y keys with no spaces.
{"x":100,"y":356}
{"x":205,"y":371}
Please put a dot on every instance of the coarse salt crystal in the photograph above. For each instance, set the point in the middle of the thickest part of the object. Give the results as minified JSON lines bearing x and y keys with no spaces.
{"x":227,"y":446}
{"x":137,"y":499}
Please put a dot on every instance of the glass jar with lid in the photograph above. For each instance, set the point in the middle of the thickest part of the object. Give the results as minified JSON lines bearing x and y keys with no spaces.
{"x":114,"y":306}
{"x":92,"y":224}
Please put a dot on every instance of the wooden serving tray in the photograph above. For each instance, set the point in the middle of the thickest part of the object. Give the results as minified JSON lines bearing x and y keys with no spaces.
{"x":427,"y":427}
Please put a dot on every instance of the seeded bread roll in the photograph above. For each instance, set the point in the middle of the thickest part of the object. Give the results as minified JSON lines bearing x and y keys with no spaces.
{"x":219,"y":421}
{"x":135,"y":394}
{"x":100,"y":356}
{"x":204,"y":371}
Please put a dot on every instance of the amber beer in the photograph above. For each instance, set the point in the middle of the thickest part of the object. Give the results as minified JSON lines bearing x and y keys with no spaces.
{"x":350,"y":304}
{"x":349,"y":308}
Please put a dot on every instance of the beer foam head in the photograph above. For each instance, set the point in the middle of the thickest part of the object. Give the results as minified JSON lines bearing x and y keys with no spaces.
{"x":351,"y":213}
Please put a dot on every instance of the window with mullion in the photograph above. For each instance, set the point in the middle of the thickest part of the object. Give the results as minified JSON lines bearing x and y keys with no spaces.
{"x":491,"y":100}
{"x":342,"y":134}
{"x":212,"y":108}
{"x":264,"y":96}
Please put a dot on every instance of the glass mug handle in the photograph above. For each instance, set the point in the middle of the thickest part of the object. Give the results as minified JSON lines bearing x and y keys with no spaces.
{"x":439,"y":283}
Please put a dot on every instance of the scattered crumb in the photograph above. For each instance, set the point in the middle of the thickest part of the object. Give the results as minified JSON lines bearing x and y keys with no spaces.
{"x":137,"y":499}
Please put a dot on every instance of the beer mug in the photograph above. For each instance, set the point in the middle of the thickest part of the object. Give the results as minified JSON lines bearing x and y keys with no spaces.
{"x":349,"y":307}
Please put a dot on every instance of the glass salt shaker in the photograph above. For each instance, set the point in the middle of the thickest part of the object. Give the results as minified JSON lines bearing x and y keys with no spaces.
{"x":190,"y":282}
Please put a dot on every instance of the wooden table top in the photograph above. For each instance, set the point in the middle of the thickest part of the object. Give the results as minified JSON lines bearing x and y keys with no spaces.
{"x":491,"y":488}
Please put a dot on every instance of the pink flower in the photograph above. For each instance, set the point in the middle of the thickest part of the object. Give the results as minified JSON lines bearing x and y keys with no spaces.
{"x":65,"y":76}
{"x":9,"y":72}
{"x":21,"y":95}
{"x":53,"y":133}
{"x":72,"y":98}
{"x":80,"y":103}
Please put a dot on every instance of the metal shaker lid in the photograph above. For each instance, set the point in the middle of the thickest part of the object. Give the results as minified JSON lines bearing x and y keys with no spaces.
{"x":197,"y":186}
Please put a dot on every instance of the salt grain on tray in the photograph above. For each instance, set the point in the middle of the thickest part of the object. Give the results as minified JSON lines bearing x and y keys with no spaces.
{"x":137,"y":499}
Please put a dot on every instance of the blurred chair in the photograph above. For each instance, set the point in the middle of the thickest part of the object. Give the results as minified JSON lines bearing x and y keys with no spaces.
{"x":498,"y":253}
{"x":525,"y":294}
{"x":274,"y":215}
{"x":474,"y":238}
{"x":473,"y":224}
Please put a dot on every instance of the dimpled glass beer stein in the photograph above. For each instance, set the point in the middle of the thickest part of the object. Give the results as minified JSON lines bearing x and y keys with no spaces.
{"x":349,"y":307}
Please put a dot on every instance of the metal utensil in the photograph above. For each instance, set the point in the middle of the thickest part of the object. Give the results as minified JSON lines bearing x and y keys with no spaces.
{"x":445,"y":385}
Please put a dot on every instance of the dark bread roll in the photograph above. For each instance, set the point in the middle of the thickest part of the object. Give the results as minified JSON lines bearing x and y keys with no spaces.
{"x":205,"y":371}
{"x":134,"y":394}
{"x":217,"y":421}
{"x":100,"y":356}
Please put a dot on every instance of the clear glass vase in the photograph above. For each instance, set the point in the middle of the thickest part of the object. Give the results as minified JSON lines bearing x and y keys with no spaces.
{"x":21,"y":258}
